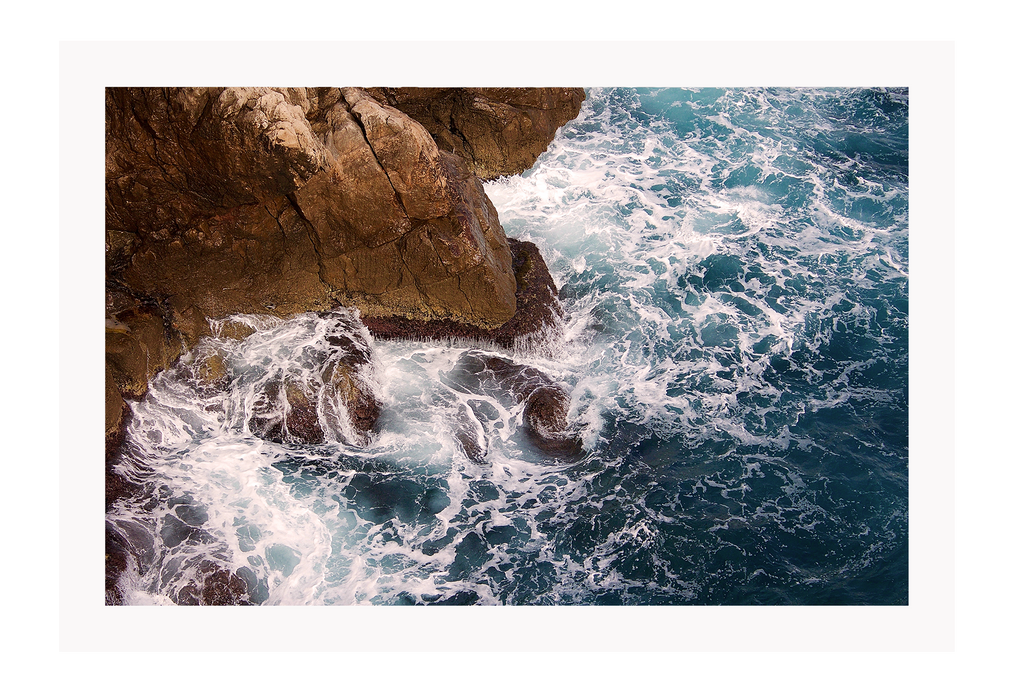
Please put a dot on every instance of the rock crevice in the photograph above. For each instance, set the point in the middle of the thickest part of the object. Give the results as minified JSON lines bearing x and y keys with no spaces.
{"x":287,"y":200}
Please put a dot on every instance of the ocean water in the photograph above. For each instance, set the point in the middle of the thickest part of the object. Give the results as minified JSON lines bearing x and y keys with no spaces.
{"x":734,"y":268}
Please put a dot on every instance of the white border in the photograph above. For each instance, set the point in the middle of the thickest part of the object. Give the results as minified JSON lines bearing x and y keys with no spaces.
{"x":926,"y":624}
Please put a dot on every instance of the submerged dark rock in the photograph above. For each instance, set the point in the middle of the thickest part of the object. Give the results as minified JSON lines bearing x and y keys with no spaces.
{"x":214,"y":585}
{"x":288,"y":200}
{"x":117,"y":559}
{"x":545,"y":415}
{"x":465,"y":427}
{"x":285,"y":411}
{"x":326,"y":396}
{"x":129,"y":551}
{"x":224,"y":201}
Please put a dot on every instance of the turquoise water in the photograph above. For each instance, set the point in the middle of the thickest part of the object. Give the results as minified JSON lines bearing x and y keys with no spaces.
{"x":734,"y":267}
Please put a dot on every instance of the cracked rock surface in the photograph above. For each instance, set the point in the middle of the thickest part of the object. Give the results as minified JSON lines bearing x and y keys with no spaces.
{"x":499,"y":131}
{"x":289,"y":200}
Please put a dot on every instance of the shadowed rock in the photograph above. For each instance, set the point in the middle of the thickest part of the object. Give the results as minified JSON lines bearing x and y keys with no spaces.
{"x":501,"y":131}
{"x":285,"y":411}
{"x":222,"y":201}
{"x":538,"y":310}
{"x":213,"y":585}
{"x":326,"y":395}
{"x":129,"y":548}
{"x":545,"y":415}
{"x":117,"y":559}
{"x":464,"y":426}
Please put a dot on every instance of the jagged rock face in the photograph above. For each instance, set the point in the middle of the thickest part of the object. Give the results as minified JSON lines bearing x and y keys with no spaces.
{"x":538,"y":310}
{"x":432,"y":249}
{"x":288,"y":200}
{"x":138,"y":346}
{"x":501,"y":131}
{"x":289,"y":409}
{"x":324,"y":394}
{"x":222,"y":201}
{"x":213,"y":585}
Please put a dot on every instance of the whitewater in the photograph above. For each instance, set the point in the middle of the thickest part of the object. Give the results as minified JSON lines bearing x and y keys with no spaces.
{"x":734,"y":269}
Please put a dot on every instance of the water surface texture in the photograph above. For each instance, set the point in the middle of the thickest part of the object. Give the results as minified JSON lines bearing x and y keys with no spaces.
{"x":734,"y":268}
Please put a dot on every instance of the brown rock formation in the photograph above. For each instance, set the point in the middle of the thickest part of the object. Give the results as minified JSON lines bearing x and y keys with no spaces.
{"x":227,"y":201}
{"x":501,"y":131}
{"x":290,"y":200}
{"x":537,"y":309}
{"x":138,"y":346}
{"x":213,"y":585}
{"x":325,"y":393}
{"x":287,"y":200}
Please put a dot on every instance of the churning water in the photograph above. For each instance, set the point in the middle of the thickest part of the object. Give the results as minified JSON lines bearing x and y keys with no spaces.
{"x":734,"y":267}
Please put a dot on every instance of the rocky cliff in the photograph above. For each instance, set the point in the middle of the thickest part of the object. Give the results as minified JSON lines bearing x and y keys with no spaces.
{"x":499,"y":131}
{"x":287,"y":200}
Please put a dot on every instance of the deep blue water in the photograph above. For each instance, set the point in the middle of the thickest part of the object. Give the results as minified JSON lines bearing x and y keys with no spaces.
{"x":734,"y":267}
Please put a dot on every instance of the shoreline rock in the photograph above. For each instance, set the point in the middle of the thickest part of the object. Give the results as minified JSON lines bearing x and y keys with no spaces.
{"x":546,"y":411}
{"x":538,"y":310}
{"x":226,"y":201}
{"x":325,"y":395}
{"x":223,"y":201}
{"x":500,"y":131}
